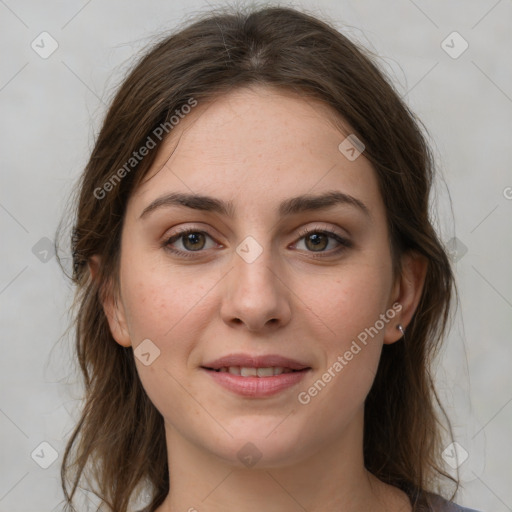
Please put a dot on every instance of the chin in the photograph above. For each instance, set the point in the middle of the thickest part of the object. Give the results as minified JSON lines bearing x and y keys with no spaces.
{"x":264,"y":445}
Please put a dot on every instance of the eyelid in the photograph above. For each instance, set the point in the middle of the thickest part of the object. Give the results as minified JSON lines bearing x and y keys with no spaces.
{"x":189,"y":229}
{"x":321,"y":229}
{"x":181,"y":232}
{"x":343,"y":241}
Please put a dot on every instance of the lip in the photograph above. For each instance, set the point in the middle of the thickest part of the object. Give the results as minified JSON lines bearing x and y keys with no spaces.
{"x":248,"y":361}
{"x":256,"y":387}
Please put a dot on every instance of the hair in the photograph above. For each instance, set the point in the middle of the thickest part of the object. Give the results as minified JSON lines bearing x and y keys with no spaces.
{"x":119,"y":440}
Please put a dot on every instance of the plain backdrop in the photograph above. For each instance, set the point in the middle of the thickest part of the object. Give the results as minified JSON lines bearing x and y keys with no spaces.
{"x":451,"y":62}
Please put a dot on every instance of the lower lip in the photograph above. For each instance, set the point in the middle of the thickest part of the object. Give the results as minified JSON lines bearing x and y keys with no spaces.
{"x":257,"y":387}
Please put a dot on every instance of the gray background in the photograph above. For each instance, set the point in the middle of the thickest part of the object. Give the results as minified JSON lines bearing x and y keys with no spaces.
{"x":52,"y":107}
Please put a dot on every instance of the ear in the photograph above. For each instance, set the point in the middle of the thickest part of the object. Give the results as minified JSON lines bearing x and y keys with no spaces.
{"x":112,"y":306}
{"x":406,"y":294}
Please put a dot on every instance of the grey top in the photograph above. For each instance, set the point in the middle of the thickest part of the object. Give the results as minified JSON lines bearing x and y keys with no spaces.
{"x":457,"y":508}
{"x":441,"y":505}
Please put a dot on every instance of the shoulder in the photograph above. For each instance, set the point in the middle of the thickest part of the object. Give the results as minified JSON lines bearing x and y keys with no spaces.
{"x":442,"y":505}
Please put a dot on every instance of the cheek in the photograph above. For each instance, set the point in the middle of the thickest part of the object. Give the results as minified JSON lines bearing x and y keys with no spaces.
{"x":350,"y":335}
{"x":351,"y":301}
{"x":165,"y":308}
{"x":159,"y":301}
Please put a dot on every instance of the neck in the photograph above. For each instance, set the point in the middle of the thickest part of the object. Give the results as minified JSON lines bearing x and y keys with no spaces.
{"x":332,"y":477}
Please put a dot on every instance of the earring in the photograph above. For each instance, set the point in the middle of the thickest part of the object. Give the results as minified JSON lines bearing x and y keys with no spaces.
{"x":401,"y":329}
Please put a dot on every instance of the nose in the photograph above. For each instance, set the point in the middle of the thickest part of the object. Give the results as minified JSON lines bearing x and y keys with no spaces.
{"x":256,"y":296}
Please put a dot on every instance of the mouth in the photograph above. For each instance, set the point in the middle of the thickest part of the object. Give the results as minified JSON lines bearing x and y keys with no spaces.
{"x":251,"y":371}
{"x":256,"y":376}
{"x":248,"y":365}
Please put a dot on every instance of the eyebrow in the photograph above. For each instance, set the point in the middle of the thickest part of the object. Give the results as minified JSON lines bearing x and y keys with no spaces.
{"x":291,"y":206}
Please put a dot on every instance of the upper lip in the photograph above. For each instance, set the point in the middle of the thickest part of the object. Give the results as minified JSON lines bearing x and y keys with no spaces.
{"x":248,"y":361}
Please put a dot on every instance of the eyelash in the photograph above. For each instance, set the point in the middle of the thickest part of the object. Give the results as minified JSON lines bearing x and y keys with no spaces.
{"x":344,"y":243}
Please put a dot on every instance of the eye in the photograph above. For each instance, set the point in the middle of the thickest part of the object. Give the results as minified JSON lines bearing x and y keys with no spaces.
{"x":318,"y":240}
{"x":191,"y":240}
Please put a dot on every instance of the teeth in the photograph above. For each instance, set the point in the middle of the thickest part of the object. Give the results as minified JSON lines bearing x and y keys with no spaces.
{"x":255,"y":372}
{"x":248,"y":372}
{"x":265,"y":372}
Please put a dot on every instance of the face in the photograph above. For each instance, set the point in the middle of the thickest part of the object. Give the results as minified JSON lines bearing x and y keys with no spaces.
{"x":289,"y":258}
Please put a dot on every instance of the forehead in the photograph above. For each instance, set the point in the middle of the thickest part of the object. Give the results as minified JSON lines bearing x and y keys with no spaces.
{"x":259,"y":145}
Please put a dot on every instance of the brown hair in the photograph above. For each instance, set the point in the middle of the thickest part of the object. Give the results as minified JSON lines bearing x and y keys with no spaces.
{"x":119,"y":440}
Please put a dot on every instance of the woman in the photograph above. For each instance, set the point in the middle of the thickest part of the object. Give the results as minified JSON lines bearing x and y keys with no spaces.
{"x":260,"y":289}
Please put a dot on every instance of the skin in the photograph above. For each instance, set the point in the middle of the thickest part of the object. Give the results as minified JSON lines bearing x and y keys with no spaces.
{"x":257,"y":147}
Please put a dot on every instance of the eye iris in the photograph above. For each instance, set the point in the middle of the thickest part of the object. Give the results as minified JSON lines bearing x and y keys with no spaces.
{"x":316,"y":239}
{"x":193,"y":239}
